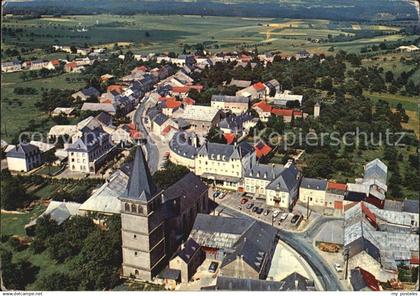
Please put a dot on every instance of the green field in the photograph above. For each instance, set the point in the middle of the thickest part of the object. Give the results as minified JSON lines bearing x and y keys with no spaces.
{"x":18,"y":110}
{"x":170,"y":33}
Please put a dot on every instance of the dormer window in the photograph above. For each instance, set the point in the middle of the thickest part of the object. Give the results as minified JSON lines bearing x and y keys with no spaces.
{"x":127,"y":207}
{"x":133,"y":209}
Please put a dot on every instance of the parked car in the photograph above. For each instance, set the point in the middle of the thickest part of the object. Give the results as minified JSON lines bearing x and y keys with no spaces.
{"x":259,"y":211}
{"x":222,"y":195}
{"x":338,"y":267}
{"x":255,"y":209}
{"x":283,"y":217}
{"x":276,"y":213}
{"x":249,"y":206}
{"x":296,"y":219}
{"x":244,"y":201}
{"x":213,"y":267}
{"x":266,"y":212}
{"x":216,"y":194}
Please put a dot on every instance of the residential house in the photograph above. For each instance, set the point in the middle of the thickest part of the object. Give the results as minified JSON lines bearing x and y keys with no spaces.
{"x":282,"y":99}
{"x":8,"y":67}
{"x":182,"y":91}
{"x":154,"y":222}
{"x":201,"y":118}
{"x":244,"y":247}
{"x":302,"y":54}
{"x":63,"y":111}
{"x":89,"y":152}
{"x":256,"y":91}
{"x":237,"y":105}
{"x":272,"y":87}
{"x":188,"y":259}
{"x":23,"y":157}
{"x":312,"y":191}
{"x":238,"y":125}
{"x":109,"y":108}
{"x":293,"y":282}
{"x":159,"y":123}
{"x":222,"y":163}
{"x":278,"y":185}
{"x":86,"y":93}
{"x":334,"y":196}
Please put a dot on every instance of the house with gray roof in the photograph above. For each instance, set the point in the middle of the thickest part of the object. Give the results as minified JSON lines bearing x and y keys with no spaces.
{"x":244,"y":246}
{"x":86,"y":93}
{"x":90,"y":150}
{"x":293,"y":282}
{"x":238,"y":124}
{"x":188,"y":259}
{"x":222,"y":163}
{"x":235,"y":104}
{"x":23,"y":157}
{"x":313,"y":191}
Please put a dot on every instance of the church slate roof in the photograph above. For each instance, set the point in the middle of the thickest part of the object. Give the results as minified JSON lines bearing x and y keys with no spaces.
{"x":140,"y":184}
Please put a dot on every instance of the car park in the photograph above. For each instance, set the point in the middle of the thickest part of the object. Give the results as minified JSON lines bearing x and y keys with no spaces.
{"x":276,"y":213}
{"x":249,"y":206}
{"x":213,"y":267}
{"x":296,"y":219}
{"x":266,"y":212}
{"x":283,"y":217}
{"x":244,"y":201}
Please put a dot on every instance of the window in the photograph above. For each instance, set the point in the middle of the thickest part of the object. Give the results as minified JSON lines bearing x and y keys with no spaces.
{"x":136,"y":272}
{"x":135,"y":236}
{"x":135,"y":253}
{"x":127,"y":207}
{"x":133,"y":208}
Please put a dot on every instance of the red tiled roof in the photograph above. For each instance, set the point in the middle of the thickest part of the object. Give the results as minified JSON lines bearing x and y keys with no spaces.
{"x":259,"y":86}
{"x":263,"y":106}
{"x":262,"y":149}
{"x":186,"y":88}
{"x":414,"y":261}
{"x":135,"y":134}
{"x":370,"y":280}
{"x":132,"y":126}
{"x":55,"y":62}
{"x":188,"y":101}
{"x":166,"y":130}
{"x":115,"y":87}
{"x":369,"y":215}
{"x":298,"y":113}
{"x":337,"y":186}
{"x":230,"y":137}
{"x":71,"y":65}
{"x":173,"y":103}
{"x":282,"y":112}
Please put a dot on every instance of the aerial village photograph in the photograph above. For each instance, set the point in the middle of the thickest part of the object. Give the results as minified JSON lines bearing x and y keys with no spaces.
{"x":163,"y":146}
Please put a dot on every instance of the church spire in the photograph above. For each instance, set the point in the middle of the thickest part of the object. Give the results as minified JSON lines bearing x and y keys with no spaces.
{"x":140,"y":184}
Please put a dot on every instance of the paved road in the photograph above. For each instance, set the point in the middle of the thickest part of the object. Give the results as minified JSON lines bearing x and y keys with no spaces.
{"x":152,"y":150}
{"x":301,"y":243}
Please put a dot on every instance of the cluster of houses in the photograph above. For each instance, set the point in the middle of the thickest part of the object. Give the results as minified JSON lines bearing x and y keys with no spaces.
{"x":169,"y":233}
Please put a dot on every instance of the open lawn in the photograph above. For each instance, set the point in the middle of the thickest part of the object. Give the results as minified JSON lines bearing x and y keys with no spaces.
{"x":18,"y":110}
{"x":14,"y":224}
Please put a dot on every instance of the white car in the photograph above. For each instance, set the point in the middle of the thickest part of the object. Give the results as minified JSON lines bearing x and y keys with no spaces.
{"x":276,"y":213}
{"x":338,"y":267}
{"x":283,"y":217}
